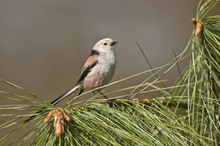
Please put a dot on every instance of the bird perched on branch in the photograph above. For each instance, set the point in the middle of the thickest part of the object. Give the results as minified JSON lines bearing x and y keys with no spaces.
{"x":97,"y":70}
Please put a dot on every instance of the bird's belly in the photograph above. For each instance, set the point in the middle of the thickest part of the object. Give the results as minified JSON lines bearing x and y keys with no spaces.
{"x":98,"y":77}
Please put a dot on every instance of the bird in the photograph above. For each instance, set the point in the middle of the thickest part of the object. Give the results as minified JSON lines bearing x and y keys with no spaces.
{"x":97,"y":71}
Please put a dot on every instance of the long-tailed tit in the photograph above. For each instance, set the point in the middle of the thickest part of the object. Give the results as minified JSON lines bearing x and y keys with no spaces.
{"x":97,"y":70}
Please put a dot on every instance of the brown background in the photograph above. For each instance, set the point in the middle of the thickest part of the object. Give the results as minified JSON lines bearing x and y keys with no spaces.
{"x":44,"y":43}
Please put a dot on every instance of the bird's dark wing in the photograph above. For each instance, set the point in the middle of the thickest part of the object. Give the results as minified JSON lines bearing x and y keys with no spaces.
{"x":91,"y":62}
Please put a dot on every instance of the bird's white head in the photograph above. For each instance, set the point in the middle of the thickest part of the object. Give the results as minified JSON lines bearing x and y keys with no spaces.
{"x":105,"y":45}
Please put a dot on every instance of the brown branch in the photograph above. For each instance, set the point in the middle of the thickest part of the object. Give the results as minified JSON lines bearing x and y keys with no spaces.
{"x":198,"y":26}
{"x":59,"y":120}
{"x":149,"y":102}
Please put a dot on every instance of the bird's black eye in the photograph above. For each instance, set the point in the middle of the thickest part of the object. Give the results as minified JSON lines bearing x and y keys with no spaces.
{"x":105,"y":44}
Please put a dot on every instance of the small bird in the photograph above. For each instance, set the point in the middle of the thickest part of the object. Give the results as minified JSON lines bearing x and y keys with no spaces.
{"x":97,"y":70}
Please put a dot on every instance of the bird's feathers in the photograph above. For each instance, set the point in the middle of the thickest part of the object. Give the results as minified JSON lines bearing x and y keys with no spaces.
{"x":91,"y":62}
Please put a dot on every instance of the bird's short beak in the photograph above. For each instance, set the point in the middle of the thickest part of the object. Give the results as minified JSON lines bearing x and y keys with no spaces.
{"x":113,"y":43}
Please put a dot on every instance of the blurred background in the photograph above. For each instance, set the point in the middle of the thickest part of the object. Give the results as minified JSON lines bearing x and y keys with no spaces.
{"x":44,"y":43}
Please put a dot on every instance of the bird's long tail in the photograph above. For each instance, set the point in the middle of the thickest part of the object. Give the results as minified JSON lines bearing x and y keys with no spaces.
{"x":66,"y":94}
